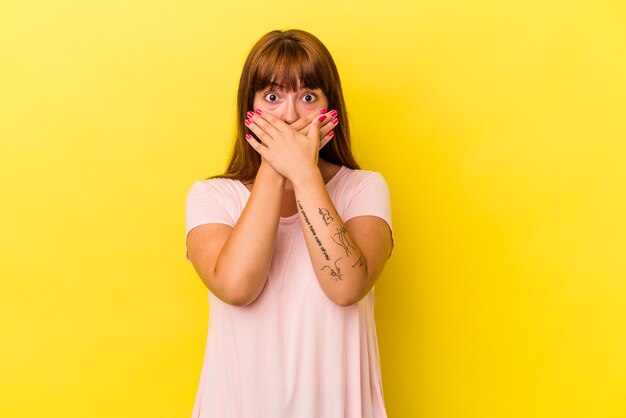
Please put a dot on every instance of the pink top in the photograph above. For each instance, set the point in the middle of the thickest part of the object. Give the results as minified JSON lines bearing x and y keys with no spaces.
{"x":292,"y":352}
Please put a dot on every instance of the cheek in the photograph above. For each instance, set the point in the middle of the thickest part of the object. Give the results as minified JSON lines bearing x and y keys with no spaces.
{"x":260,"y":103}
{"x":312,"y":110}
{"x":257,"y":103}
{"x":322,"y":102}
{"x":274,"y":110}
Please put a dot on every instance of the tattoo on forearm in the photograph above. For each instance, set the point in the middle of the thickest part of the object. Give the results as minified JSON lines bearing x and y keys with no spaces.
{"x":342,"y":240}
{"x":359,"y":262}
{"x":336,"y":272}
{"x":308,"y":223}
{"x":326,"y":216}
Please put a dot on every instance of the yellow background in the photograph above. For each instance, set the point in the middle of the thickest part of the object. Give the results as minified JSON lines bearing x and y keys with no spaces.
{"x":499,"y":126}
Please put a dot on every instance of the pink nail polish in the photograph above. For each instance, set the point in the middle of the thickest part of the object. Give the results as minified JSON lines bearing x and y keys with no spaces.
{"x":331,"y":133}
{"x":247,"y":121}
{"x":323,"y":111}
{"x":322,"y":118}
{"x":249,"y":114}
{"x":248,"y":136}
{"x":334,"y":113}
{"x":258,"y":111}
{"x":335,"y":120}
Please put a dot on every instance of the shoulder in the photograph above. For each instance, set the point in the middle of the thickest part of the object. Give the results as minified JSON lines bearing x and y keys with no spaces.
{"x":216,"y":185}
{"x":217,"y":190}
{"x":356,"y":179}
{"x":216,"y":200}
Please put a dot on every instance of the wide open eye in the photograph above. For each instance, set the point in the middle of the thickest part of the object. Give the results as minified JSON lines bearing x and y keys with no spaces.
{"x":309,"y":98}
{"x":271,"y":97}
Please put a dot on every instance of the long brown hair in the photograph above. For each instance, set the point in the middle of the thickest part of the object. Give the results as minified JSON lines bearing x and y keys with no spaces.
{"x":288,"y":58}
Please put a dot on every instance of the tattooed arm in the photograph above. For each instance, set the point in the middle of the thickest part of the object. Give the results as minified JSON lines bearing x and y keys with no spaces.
{"x":347,"y":258}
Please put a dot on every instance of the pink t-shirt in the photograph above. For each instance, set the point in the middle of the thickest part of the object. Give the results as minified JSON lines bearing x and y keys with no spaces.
{"x":293,"y":352}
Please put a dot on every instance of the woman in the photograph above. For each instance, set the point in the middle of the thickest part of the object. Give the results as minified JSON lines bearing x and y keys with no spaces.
{"x":289,"y":242}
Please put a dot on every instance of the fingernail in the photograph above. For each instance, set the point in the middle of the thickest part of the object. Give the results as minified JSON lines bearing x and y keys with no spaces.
{"x":258,"y":111}
{"x":331,"y":133}
{"x":247,"y":121}
{"x":248,"y":136}
{"x":250,"y":114}
{"x":334,"y":113}
{"x":322,"y":118}
{"x":335,"y":120}
{"x":323,"y":111}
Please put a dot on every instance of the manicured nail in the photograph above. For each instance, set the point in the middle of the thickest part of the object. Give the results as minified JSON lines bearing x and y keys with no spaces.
{"x":334,"y":113}
{"x":250,"y":114}
{"x":248,"y":136}
{"x":331,"y":133}
{"x":323,"y":111}
{"x":258,"y":111}
{"x":335,"y":120}
{"x":322,"y":118}
{"x":247,"y":121}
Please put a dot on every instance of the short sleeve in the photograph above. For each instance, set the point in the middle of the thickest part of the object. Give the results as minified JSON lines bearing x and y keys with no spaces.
{"x":206,"y":203}
{"x":371,"y":197}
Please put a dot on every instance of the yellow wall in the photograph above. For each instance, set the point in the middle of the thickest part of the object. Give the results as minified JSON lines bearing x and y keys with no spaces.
{"x":499,"y":127}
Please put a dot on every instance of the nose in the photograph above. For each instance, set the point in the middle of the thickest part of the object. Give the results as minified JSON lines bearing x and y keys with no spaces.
{"x":290,"y":113}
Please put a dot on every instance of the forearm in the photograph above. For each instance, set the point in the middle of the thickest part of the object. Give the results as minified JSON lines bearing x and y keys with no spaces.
{"x":244,"y":262}
{"x":339,"y":263}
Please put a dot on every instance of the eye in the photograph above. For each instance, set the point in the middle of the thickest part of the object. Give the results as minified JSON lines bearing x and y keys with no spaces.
{"x":271,"y":97}
{"x":309,"y":98}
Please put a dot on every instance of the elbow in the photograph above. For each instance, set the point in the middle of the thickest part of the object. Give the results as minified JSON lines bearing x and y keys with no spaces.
{"x":241,"y":298}
{"x":239,"y":301}
{"x":237,"y":292}
{"x":351,"y":296}
{"x":345,"y":302}
{"x":347,"y":299}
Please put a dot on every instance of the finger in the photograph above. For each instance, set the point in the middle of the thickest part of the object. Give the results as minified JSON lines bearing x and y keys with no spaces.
{"x":263,"y":136}
{"x":258,"y":147}
{"x":326,"y":139}
{"x":329,"y":123}
{"x":301,"y":125}
{"x":305,"y":129}
{"x":328,"y":126}
{"x":260,"y":126}
{"x":316,"y":124}
{"x":270,"y":123}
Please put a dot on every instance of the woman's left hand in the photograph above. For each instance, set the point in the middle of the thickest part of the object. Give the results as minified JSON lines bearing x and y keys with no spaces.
{"x":289,"y":152}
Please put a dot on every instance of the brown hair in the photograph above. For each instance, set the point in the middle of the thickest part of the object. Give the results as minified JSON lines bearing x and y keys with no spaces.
{"x":288,"y":58}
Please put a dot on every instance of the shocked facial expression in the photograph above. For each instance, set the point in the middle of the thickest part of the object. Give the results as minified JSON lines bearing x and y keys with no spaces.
{"x":290,"y":105}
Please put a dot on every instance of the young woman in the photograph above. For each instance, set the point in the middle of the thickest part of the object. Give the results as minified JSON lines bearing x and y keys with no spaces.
{"x":290,"y":241}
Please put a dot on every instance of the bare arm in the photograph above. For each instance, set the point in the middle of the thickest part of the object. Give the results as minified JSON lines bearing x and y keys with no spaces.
{"x":234,"y":262}
{"x":347,"y":258}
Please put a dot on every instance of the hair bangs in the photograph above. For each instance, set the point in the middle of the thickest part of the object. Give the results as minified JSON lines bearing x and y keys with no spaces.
{"x":288,"y":66}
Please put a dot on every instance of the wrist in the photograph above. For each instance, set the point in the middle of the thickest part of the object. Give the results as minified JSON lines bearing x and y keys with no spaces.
{"x":307,"y":177}
{"x":267,"y":171}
